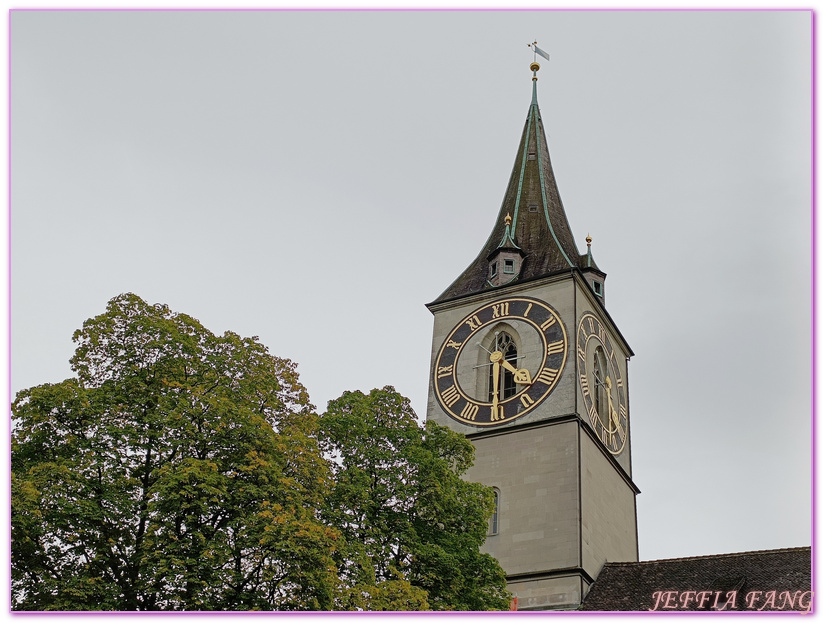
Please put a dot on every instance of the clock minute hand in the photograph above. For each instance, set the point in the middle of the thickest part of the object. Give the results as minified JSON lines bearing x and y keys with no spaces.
{"x":496,"y":381}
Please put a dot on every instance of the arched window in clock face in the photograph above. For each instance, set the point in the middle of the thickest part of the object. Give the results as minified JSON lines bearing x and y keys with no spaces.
{"x":600,"y":372}
{"x":504,"y":343}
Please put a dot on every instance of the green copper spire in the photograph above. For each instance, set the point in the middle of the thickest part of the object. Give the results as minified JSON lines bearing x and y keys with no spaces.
{"x":537,"y":218}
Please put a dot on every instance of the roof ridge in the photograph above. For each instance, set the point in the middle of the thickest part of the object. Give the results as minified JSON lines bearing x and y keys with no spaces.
{"x":755,"y":551}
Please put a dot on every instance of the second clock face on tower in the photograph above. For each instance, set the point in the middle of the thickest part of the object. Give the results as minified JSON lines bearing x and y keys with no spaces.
{"x":601,"y":382}
{"x":500,"y":362}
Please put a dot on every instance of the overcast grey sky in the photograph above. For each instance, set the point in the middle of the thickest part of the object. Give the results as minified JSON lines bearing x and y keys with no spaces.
{"x":315,"y":178}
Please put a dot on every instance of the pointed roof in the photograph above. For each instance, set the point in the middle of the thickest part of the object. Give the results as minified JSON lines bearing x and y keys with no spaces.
{"x":588,"y":258}
{"x":508,"y":242}
{"x":538,"y":221}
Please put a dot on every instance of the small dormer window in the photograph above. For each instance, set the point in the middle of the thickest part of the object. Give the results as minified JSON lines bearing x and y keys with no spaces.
{"x":598,"y":288}
{"x":532,"y":155}
{"x":493,"y":270}
{"x":508,"y":267}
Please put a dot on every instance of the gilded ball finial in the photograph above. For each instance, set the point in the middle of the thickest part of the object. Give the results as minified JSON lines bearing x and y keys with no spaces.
{"x":588,"y":240}
{"x":508,"y":219}
{"x":534,"y":66}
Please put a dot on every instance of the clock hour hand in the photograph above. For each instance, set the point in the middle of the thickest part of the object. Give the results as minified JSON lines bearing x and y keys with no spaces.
{"x":521,"y":375}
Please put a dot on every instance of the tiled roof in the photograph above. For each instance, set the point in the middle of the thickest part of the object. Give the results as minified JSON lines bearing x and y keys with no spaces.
{"x":539,"y":224}
{"x":765,"y":580}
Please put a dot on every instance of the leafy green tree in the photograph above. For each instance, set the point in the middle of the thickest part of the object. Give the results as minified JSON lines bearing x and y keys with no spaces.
{"x":178,"y":470}
{"x":412,"y":528}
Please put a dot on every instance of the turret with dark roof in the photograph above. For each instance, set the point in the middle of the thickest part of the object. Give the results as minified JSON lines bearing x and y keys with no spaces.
{"x":539,"y":228}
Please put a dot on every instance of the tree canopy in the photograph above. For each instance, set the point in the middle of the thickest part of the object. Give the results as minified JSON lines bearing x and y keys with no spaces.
{"x":412,"y":528}
{"x":180,"y":470}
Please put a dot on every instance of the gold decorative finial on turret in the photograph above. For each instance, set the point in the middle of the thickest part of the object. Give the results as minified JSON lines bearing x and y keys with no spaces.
{"x":588,"y":240}
{"x":508,"y":219}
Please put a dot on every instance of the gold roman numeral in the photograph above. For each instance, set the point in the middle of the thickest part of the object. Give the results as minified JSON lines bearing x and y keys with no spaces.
{"x":621,"y":433}
{"x":500,"y":310}
{"x":473,"y":322}
{"x":453,"y":344}
{"x":526,"y":400}
{"x":528,"y":309}
{"x":545,"y":326}
{"x":620,"y":430}
{"x":497,"y":414}
{"x":548,"y":375}
{"x":443,"y":372}
{"x":469,"y":412}
{"x":450,"y":396}
{"x":555,"y":347}
{"x":584,"y":385}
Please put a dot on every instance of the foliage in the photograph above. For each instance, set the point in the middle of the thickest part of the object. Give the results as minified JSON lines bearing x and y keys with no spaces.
{"x":411,"y":527}
{"x":179,"y":470}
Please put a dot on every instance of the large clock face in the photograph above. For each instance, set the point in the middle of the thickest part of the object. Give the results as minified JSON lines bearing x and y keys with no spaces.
{"x":478,"y":380}
{"x":601,"y":382}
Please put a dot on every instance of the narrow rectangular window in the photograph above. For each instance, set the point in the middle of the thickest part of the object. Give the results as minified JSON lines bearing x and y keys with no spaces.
{"x":494,"y":517}
{"x":493,"y":270}
{"x":598,"y":288}
{"x":508,"y":266}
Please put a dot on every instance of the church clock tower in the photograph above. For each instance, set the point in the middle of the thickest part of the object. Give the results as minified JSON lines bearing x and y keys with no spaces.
{"x":528,"y":364}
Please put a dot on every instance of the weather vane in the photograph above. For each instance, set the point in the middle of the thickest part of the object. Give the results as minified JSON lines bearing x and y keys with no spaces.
{"x":537,"y":50}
